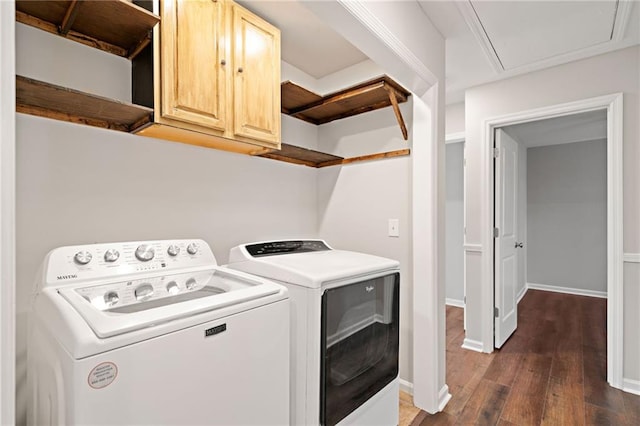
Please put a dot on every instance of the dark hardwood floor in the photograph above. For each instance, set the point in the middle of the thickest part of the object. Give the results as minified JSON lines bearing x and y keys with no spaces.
{"x":552,"y":371}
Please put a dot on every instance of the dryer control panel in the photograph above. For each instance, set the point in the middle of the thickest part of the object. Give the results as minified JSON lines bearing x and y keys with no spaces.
{"x":272,"y":248}
{"x":96,"y":261}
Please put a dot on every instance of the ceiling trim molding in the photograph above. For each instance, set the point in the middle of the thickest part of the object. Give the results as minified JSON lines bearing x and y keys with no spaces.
{"x":475,"y":25}
{"x":623,"y":14}
{"x":454,"y":137}
{"x":358,"y":9}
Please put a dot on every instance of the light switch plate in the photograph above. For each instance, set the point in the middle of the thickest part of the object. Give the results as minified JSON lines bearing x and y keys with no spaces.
{"x":394,"y":228}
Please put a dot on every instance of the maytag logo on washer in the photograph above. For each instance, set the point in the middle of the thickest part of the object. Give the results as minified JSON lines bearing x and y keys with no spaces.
{"x":215,"y":330}
{"x":369,"y":288}
{"x":67,"y":277}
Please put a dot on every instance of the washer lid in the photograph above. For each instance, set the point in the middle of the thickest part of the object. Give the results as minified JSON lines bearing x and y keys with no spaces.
{"x":313,"y":269}
{"x":115,"y":308}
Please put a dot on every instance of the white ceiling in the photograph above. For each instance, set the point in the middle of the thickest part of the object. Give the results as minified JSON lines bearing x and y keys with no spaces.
{"x":586,"y":126}
{"x":485,"y":40}
{"x":491,"y":40}
{"x":535,"y":31}
{"x":307,"y":43}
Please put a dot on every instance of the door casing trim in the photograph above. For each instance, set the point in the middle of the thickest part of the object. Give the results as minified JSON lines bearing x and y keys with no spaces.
{"x":613,"y":105}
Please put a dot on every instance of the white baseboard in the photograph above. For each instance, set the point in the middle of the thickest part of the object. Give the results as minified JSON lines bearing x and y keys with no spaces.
{"x":522,"y":293}
{"x":472,"y":345}
{"x":631,"y":386}
{"x":567,"y":290}
{"x":406,"y":386}
{"x":443,"y":397}
{"x":454,"y":302}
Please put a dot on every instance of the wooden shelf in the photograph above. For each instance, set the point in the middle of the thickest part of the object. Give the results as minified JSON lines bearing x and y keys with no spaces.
{"x":60,"y":103}
{"x":317,"y":159}
{"x":374,"y":94}
{"x":297,"y":155}
{"x":115,"y":26}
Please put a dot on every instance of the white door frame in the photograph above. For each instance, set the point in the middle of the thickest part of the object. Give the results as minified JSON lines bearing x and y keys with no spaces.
{"x":613,"y":106}
{"x":7,"y":215}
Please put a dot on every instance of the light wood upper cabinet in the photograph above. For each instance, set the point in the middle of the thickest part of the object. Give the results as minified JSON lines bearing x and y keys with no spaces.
{"x":216,"y":74}
{"x":192,"y":62}
{"x":256,"y":57}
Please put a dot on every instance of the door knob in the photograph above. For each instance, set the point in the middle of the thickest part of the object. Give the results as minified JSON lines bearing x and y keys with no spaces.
{"x":519,"y":245}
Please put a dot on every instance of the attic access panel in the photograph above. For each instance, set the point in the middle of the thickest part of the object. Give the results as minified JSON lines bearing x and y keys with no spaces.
{"x":374,"y":94}
{"x":526,"y":32}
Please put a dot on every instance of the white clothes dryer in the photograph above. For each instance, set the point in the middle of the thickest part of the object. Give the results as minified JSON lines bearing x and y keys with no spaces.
{"x":155,"y":333}
{"x":344,"y":329}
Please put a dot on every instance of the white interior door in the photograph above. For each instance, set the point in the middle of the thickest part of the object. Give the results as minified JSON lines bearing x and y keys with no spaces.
{"x":506,"y":259}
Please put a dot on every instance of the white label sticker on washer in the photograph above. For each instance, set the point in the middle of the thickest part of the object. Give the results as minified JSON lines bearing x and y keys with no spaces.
{"x":102,"y":375}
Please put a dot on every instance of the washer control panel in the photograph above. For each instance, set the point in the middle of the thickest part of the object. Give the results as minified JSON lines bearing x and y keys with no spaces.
{"x":95,"y":261}
{"x":145,"y":293}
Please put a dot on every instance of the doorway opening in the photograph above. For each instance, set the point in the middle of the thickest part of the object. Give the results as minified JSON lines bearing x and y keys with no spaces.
{"x":612,"y":105}
{"x":550,"y":211}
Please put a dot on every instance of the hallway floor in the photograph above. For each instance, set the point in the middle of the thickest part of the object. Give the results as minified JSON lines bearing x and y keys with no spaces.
{"x":552,"y":371}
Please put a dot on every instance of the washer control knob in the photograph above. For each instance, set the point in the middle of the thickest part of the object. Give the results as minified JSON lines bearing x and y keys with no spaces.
{"x":173,"y":250}
{"x":111,"y":298}
{"x":191,"y":283}
{"x":82,"y":257}
{"x":172,"y":288}
{"x":111,"y":255}
{"x":145,"y":253}
{"x":192,"y":248}
{"x":143,"y":292}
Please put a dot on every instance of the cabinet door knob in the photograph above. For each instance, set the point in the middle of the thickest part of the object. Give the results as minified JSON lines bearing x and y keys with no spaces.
{"x":223,"y":62}
{"x":240,"y":69}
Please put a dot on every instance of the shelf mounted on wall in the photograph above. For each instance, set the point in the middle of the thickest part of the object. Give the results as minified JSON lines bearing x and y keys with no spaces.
{"x":60,"y":103}
{"x":92,"y":23}
{"x":377,"y":93}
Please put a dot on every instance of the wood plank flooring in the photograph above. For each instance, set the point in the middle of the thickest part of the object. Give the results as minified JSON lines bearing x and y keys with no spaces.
{"x":552,"y":371}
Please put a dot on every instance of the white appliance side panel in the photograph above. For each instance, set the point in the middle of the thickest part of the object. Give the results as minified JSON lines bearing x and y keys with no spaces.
{"x":382,"y":409}
{"x":314,"y":314}
{"x":300,"y":298}
{"x":238,"y":376}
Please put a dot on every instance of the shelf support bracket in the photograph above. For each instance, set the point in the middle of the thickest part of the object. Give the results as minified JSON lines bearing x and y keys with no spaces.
{"x":396,"y":110}
{"x":140,"y":46}
{"x":69,"y":18}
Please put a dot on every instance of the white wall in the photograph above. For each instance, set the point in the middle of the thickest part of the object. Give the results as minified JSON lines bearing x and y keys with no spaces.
{"x":341,"y":79}
{"x":79,"y":184}
{"x":7,"y":213}
{"x":567,"y":215}
{"x":455,"y":222}
{"x":564,"y":83}
{"x":370,"y":133}
{"x":454,"y":118}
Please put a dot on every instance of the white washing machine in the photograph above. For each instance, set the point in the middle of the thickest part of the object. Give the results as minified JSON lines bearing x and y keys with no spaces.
{"x":344,"y":329}
{"x":155,"y":333}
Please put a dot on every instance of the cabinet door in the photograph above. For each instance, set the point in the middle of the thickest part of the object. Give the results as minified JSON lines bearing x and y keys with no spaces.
{"x":193,"y":62}
{"x":256,"y":45}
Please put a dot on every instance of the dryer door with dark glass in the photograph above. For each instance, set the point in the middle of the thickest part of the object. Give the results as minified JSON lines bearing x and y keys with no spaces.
{"x":360,"y":334}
